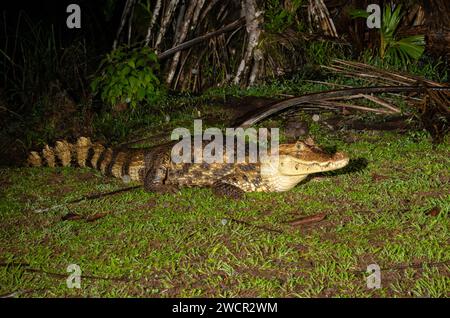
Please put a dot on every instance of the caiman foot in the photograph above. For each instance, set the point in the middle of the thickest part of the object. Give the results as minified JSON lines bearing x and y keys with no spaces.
{"x":227,"y":190}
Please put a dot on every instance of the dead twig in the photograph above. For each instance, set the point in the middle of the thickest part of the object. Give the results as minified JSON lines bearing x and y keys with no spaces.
{"x":190,"y":43}
{"x":255,"y":226}
{"x":343,"y":105}
{"x":87,"y":198}
{"x":381,"y":102}
{"x":26,"y":268}
{"x":307,"y":220}
{"x":327,"y":95}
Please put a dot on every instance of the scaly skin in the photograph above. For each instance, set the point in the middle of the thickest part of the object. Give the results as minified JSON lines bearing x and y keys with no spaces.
{"x":154,"y":168}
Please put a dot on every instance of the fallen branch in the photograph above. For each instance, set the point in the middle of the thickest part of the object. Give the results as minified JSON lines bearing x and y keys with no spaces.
{"x":323,"y":96}
{"x":306,"y":220}
{"x":86,"y":198}
{"x":255,"y":226}
{"x":343,"y":105}
{"x":381,"y":102}
{"x":384,"y":74}
{"x":201,"y":38}
{"x":26,"y":268}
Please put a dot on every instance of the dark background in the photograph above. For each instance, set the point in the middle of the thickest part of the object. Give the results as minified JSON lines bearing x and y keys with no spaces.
{"x":99,"y":19}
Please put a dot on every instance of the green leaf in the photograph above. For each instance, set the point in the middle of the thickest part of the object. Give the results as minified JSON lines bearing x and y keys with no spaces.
{"x":125,"y":70}
{"x":358,"y":13}
{"x":140,"y":93}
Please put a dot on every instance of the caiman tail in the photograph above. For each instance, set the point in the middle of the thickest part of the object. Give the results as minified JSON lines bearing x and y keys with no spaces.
{"x":120,"y":163}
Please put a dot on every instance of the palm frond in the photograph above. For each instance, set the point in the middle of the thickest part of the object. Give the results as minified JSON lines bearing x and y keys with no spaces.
{"x":405,"y":49}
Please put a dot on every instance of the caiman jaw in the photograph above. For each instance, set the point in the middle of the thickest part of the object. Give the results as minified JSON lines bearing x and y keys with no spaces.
{"x":338,"y":161}
{"x":295,"y":166}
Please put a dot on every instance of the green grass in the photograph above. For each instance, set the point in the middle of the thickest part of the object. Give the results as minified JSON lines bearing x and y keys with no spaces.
{"x":152,"y":245}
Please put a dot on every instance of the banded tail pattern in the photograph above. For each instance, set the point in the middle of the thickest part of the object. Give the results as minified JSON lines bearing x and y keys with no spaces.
{"x":119,"y":163}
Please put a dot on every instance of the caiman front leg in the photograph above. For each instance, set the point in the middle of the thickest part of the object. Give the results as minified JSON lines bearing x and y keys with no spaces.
{"x":156,"y":174}
{"x":154,"y":182}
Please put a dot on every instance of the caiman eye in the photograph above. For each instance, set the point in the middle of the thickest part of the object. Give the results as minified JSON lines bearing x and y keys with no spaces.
{"x":300,"y":146}
{"x":296,"y":166}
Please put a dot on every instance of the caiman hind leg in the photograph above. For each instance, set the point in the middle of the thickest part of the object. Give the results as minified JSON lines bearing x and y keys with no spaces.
{"x":221,"y":188}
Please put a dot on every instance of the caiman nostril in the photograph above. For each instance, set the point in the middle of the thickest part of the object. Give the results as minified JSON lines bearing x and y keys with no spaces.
{"x":296,"y":166}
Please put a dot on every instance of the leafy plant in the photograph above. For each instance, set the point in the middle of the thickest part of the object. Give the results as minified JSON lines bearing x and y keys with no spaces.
{"x":279,"y":17}
{"x":322,"y":52}
{"x":398,"y":51}
{"x":358,"y":13}
{"x":404,"y":49}
{"x":129,"y":76}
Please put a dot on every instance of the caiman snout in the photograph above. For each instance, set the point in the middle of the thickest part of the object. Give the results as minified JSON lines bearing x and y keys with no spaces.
{"x":340,"y":159}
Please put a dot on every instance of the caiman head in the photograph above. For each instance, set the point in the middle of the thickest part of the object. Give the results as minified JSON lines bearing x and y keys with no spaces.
{"x":304,"y":157}
{"x":297,"y":160}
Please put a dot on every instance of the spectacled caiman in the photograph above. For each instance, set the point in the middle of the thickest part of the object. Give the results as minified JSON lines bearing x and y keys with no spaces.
{"x":159,"y":173}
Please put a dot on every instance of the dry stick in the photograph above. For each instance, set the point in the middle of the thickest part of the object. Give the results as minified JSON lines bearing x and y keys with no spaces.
{"x":165,"y":22}
{"x":256,"y":226}
{"x":391,"y":76}
{"x":152,"y":21}
{"x":381,"y":75}
{"x":308,"y":219}
{"x":358,"y":96}
{"x":130,"y":22}
{"x":381,"y":102}
{"x":130,"y":280}
{"x":211,"y":4}
{"x":179,"y":55}
{"x":183,"y":63}
{"x":343,"y":105}
{"x":197,"y":66}
{"x":197,"y":12}
{"x":404,"y":267}
{"x":221,"y":15}
{"x":409,"y":78}
{"x":321,"y":96}
{"x":232,"y":34}
{"x":88,"y":197}
{"x":442,"y":102}
{"x":122,"y":21}
{"x":193,"y":18}
{"x":249,"y":8}
{"x":353,"y":74}
{"x":179,"y":22}
{"x":323,"y":16}
{"x":26,"y":268}
{"x":20,"y":292}
{"x":236,"y":24}
{"x":180,"y":37}
{"x":201,"y":38}
{"x":8,"y":110}
{"x":328,"y":84}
